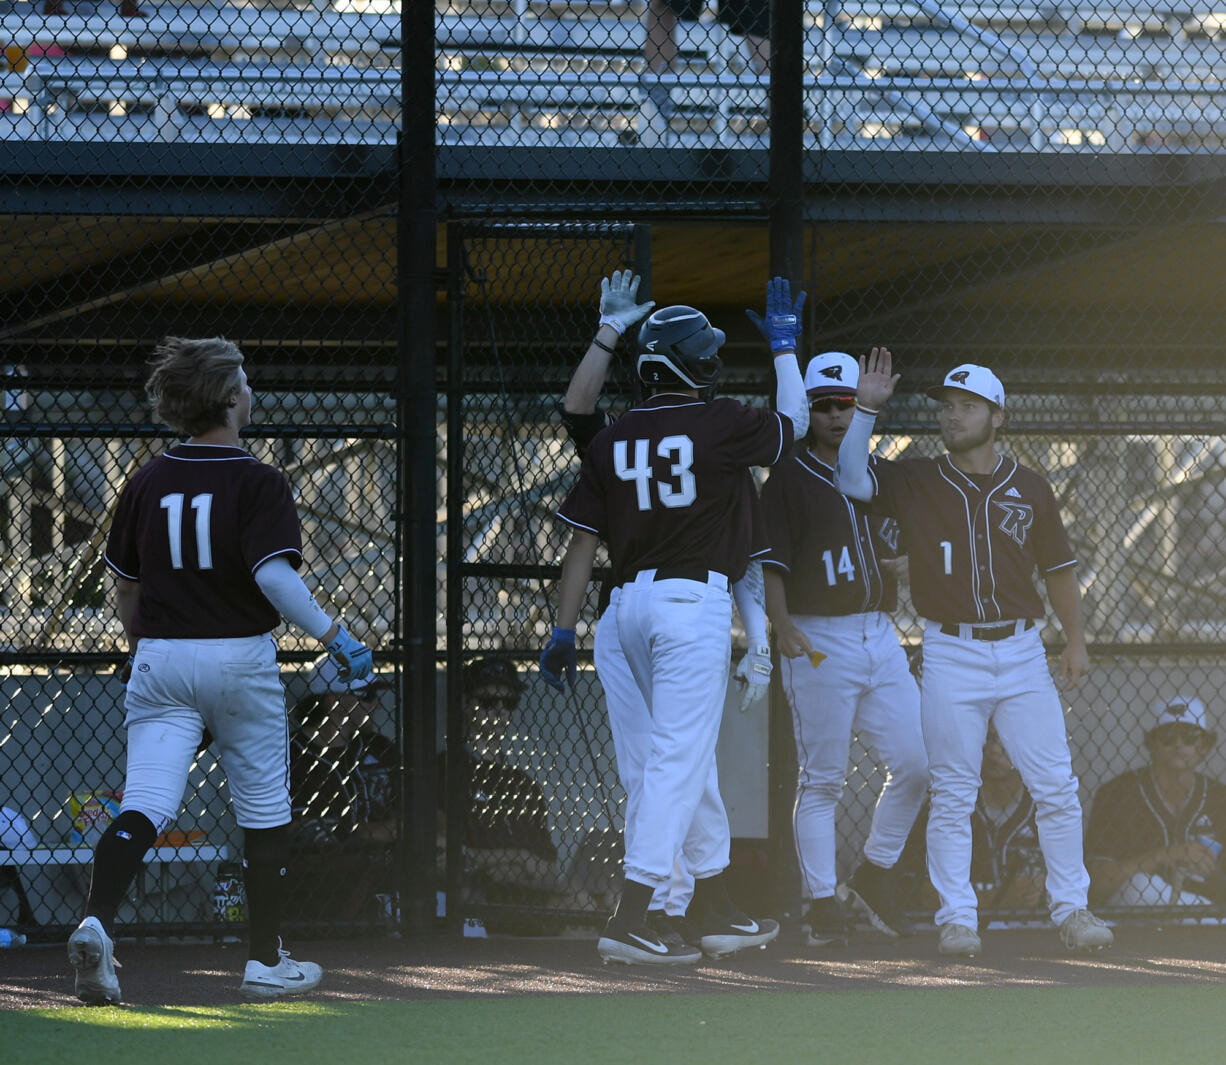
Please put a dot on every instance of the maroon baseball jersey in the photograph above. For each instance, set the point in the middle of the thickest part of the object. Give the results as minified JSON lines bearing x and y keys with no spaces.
{"x":192,"y":527}
{"x":973,"y":543}
{"x":827,"y":545}
{"x":666,"y":484}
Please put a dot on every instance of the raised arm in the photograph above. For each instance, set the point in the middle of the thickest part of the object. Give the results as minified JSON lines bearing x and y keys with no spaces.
{"x":619,"y":310}
{"x":876,"y":385}
{"x":781,"y":326}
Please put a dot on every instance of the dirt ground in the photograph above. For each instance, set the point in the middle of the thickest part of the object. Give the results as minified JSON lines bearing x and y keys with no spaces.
{"x":438,"y":967}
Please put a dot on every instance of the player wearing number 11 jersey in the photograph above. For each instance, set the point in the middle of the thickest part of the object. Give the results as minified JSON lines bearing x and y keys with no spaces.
{"x":204,"y":545}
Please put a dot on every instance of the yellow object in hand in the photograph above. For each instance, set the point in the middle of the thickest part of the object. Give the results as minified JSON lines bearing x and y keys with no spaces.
{"x":816,"y":658}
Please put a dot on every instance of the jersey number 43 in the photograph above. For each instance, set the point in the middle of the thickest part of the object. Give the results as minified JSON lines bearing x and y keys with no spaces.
{"x":680,"y":491}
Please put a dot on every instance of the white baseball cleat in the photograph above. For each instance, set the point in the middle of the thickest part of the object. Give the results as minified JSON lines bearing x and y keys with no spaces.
{"x":1081,"y":930}
{"x":734,"y":932}
{"x":960,"y":941}
{"x":287,"y":977}
{"x":92,"y":954}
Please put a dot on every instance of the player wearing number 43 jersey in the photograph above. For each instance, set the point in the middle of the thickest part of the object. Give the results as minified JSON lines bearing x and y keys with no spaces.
{"x":664,"y":487}
{"x":829,"y":591}
{"x":977,"y":524}
{"x":204,"y":545}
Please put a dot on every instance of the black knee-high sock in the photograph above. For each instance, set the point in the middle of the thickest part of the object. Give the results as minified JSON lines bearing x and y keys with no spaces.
{"x":117,"y":859}
{"x":266,"y":856}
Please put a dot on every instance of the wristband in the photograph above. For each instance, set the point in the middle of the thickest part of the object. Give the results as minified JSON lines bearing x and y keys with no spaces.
{"x":867,"y":410}
{"x":602,"y":346}
{"x":562,"y":635}
{"x":618,"y":326}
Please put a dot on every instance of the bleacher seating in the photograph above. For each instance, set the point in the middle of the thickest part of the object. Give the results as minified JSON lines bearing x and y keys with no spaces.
{"x":1057,"y":76}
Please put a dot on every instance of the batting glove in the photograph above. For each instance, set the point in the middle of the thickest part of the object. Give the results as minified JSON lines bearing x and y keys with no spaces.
{"x":558,"y":657}
{"x":753,"y":675}
{"x":125,"y":671}
{"x":619,"y":306}
{"x":781,"y":327}
{"x":354,"y":660}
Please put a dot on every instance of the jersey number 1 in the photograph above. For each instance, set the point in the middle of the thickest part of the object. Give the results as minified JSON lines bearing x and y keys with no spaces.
{"x":203,"y":506}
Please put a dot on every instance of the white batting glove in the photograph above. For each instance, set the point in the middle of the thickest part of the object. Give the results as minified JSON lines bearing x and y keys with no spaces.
{"x":619,"y":306}
{"x":753,"y":675}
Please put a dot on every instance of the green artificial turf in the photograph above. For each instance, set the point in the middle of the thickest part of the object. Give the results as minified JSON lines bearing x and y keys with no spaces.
{"x":1034,"y":1026}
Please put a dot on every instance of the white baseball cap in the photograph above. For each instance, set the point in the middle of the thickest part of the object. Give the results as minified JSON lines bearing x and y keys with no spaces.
{"x":978,"y":380}
{"x":324,"y":676}
{"x":1179,"y":710}
{"x":831,"y":373}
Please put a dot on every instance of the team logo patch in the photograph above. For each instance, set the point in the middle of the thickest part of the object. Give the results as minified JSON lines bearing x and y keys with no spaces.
{"x":1016,"y":520}
{"x":960,"y":376}
{"x":833,"y":372}
{"x":890,"y":534}
{"x":144,"y":667}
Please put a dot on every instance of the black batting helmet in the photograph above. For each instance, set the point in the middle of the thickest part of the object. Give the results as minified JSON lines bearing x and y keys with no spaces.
{"x":678,"y":344}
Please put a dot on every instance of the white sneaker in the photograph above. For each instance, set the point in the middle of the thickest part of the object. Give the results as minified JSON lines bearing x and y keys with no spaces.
{"x":1081,"y":930}
{"x":92,"y":954}
{"x":958,"y":939}
{"x":287,"y":977}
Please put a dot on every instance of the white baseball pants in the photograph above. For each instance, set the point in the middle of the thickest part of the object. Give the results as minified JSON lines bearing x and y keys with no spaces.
{"x":965,"y":685}
{"x":862,"y":684}
{"x":233,"y":687}
{"x":676,"y":638}
{"x":630,"y":724}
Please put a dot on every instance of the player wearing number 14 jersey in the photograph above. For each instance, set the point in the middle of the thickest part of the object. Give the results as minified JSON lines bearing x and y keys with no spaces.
{"x":204,"y":546}
{"x":829,"y":593}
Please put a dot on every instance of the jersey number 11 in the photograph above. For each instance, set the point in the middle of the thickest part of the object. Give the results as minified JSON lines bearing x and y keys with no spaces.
{"x":203,"y":506}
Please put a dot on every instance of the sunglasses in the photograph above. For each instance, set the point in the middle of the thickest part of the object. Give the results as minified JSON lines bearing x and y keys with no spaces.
{"x":832,"y":404}
{"x":1185,"y":736}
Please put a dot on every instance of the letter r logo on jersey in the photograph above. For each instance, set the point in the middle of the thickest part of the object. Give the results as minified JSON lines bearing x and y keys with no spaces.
{"x":1016,"y":522}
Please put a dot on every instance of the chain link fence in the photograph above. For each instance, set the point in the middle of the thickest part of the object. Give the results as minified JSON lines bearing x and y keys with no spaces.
{"x":1031,"y":186}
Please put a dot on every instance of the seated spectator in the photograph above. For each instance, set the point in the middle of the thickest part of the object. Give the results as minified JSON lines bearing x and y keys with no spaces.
{"x":1007,"y":867}
{"x":1156,"y":832}
{"x":507,"y":849}
{"x":343,"y":789}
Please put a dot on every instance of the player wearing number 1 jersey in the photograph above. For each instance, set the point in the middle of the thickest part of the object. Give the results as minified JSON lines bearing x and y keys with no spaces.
{"x":204,"y":545}
{"x":829,"y":593}
{"x":663,"y":486}
{"x":977,"y":525}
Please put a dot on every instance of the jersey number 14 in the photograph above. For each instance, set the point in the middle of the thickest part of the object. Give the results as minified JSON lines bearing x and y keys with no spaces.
{"x":203,"y":506}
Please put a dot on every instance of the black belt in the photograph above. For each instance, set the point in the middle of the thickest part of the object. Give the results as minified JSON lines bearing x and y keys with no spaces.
{"x":989,"y":632}
{"x":682,"y":573}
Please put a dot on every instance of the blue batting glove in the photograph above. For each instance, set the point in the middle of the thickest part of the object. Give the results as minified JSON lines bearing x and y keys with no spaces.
{"x":558,"y":657}
{"x":782,"y":326}
{"x":354,"y":660}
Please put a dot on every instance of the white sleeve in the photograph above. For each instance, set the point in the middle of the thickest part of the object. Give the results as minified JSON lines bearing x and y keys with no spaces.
{"x":750,"y":595}
{"x":790,"y":398}
{"x":851,"y":476}
{"x":282,"y":587}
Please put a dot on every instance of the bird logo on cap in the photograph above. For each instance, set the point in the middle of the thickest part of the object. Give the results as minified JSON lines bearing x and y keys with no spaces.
{"x":833,"y":372}
{"x":960,"y":376}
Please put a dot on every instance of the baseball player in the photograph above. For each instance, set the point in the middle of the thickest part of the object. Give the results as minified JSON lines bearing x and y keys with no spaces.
{"x":1155,"y":834}
{"x":204,"y":545}
{"x":829,"y":594}
{"x":629,"y":718}
{"x":664,"y":486}
{"x":976,"y":525}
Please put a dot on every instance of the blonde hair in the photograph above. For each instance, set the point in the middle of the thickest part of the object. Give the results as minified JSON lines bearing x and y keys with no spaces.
{"x":193,"y":382}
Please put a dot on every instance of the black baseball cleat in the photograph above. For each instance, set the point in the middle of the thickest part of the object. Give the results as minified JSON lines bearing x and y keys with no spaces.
{"x":672,"y":929}
{"x":642,"y":945}
{"x":874,"y":892}
{"x":726,"y":934}
{"x":825,"y":923}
